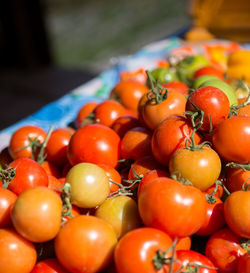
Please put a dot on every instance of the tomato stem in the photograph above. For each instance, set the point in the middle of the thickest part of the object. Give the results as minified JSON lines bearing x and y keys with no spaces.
{"x":65,"y":196}
{"x":41,"y":156}
{"x":244,"y":167}
{"x":245,"y":243}
{"x":90,"y":119}
{"x":6,"y":176}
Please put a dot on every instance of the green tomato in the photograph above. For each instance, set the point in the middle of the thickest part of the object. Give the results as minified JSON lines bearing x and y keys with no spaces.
{"x":199,"y":81}
{"x":89,"y":185}
{"x":121,"y":213}
{"x":226,"y":88}
{"x":163,"y":75}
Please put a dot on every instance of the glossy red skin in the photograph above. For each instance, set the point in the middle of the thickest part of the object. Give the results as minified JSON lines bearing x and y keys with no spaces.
{"x":94,"y":143}
{"x":213,"y":102}
{"x":20,"y":139}
{"x":189,"y":256}
{"x":177,"y":86}
{"x":7,"y":199}
{"x":224,"y":250}
{"x":231,"y":139}
{"x":244,"y":264}
{"x":176,"y":209}
{"x":48,"y":266}
{"x":108,"y":111}
{"x":164,"y":144}
{"x":214,"y":218}
{"x":235,"y":178}
{"x":136,"y":249}
{"x":84,"y":111}
{"x":209,"y":70}
{"x":124,"y":123}
{"x":29,"y":174}
{"x":56,"y":148}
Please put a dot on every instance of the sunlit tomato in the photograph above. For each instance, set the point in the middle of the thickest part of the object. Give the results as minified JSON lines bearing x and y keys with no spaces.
{"x":85,"y":244}
{"x":48,"y":266}
{"x":244,"y":264}
{"x":214,"y":218}
{"x":213,"y":102}
{"x":21,"y":138}
{"x":121,"y":213}
{"x":231,"y":139}
{"x":209,"y":70}
{"x":201,"y":167}
{"x":89,"y":185}
{"x":183,"y":243}
{"x":154,"y":111}
{"x":235,"y":178}
{"x":236,"y":212}
{"x":7,"y":199}
{"x":136,"y":143}
{"x":56,"y":148}
{"x":17,"y":255}
{"x":177,"y":86}
{"x":94,"y":143}
{"x":223,"y":249}
{"x":29,"y":174}
{"x":55,"y":184}
{"x":171,"y":135}
{"x":166,"y":204}
{"x":36,"y":214}
{"x":108,"y":111}
{"x":51,"y":169}
{"x":83,"y":113}
{"x":125,"y":123}
{"x":129,"y":93}
{"x":137,"y":249}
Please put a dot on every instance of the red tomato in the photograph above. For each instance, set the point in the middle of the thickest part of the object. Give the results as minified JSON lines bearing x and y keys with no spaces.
{"x":183,"y":243}
{"x":51,"y":169}
{"x":209,"y":70}
{"x":17,"y":255}
{"x":177,"y":86}
{"x":29,"y":174}
{"x":223,"y":249}
{"x":56,"y":148}
{"x":48,"y":266}
{"x":85,"y":244}
{"x":7,"y":199}
{"x":21,"y":138}
{"x":94,"y":143}
{"x":164,"y":143}
{"x":235,"y":178}
{"x":244,"y":264}
{"x":166,"y":204}
{"x":124,"y":123}
{"x":136,"y":250}
{"x":83,"y":113}
{"x":231,"y":139}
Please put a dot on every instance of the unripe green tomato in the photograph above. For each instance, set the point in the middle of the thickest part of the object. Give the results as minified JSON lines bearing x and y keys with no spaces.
{"x":121,"y":212}
{"x":199,"y":81}
{"x":89,"y":185}
{"x":163,"y":75}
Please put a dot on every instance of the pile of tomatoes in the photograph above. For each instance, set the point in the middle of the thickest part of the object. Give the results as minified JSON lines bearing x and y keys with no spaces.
{"x":153,"y":179}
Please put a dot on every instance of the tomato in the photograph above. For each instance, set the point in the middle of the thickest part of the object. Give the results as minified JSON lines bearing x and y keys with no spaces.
{"x":209,"y":70}
{"x":17,"y":255}
{"x":129,"y":93}
{"x":235,"y":178}
{"x":236,"y":211}
{"x":183,"y":243}
{"x":51,"y":169}
{"x":21,"y":138}
{"x":166,"y":204}
{"x":244,"y":111}
{"x":29,"y":174}
{"x":89,"y":185}
{"x":56,"y":148}
{"x":214,"y":218}
{"x":201,"y":167}
{"x":223,"y":249}
{"x":244,"y":264}
{"x":231,"y":139}
{"x":136,"y":143}
{"x":219,"y":192}
{"x":36,"y":214}
{"x":94,"y":143}
{"x":108,"y":111}
{"x":48,"y":266}
{"x":124,"y":123}
{"x":121,"y":213}
{"x":7,"y":199}
{"x":177,"y":86}
{"x":75,"y":211}
{"x":55,"y":184}
{"x":163,"y":75}
{"x":164,"y":143}
{"x":199,"y":81}
{"x":85,"y":110}
{"x":154,"y":112}
{"x":85,"y":244}
{"x":213,"y":102}
{"x":136,"y":250}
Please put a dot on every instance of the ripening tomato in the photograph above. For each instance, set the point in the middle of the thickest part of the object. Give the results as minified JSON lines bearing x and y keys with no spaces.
{"x":244,"y":264}
{"x":94,"y":143}
{"x":166,"y":204}
{"x":85,"y":244}
{"x":85,"y":110}
{"x":36,"y":214}
{"x":17,"y":255}
{"x":209,"y":70}
{"x":124,"y":123}
{"x":137,"y":250}
{"x":20,"y":141}
{"x":48,"y":266}
{"x":231,"y":139}
{"x":29,"y":174}
{"x":177,"y":86}
{"x":7,"y":199}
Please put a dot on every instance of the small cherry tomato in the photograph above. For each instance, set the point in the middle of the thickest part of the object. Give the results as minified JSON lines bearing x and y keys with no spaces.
{"x":7,"y":199}
{"x":85,"y":110}
{"x":48,"y":266}
{"x":125,"y":123}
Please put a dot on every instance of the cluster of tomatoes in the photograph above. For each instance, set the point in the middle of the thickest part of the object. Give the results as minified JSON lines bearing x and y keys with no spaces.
{"x":154,"y":179}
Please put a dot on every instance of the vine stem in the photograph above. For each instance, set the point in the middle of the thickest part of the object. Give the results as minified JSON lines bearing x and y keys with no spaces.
{"x":41,"y":156}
